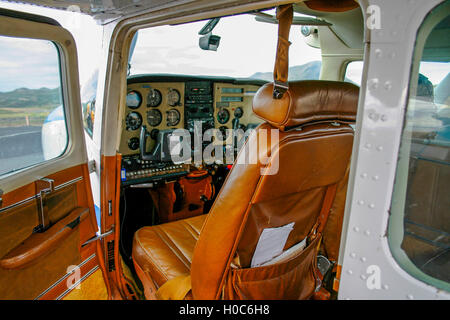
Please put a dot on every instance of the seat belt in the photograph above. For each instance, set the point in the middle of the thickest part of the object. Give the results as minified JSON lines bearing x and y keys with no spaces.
{"x":328,"y":200}
{"x":285,"y":14}
{"x":321,"y":293}
{"x":175,"y":289}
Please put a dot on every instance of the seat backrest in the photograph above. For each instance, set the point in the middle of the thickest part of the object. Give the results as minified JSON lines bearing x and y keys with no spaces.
{"x":312,"y":152}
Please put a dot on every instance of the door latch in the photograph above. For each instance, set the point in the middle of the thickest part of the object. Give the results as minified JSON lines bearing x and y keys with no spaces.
{"x":99,"y":236}
{"x":91,"y":166}
{"x":44,"y":187}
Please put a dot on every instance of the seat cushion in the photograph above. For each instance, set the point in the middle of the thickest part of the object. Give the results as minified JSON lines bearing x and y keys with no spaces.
{"x":165,"y":251}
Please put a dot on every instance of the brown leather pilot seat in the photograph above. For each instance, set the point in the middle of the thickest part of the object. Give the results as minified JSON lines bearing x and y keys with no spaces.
{"x":164,"y":251}
{"x":288,"y":183}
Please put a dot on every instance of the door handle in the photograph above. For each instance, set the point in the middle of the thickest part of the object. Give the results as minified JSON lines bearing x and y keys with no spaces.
{"x":44,"y":187}
{"x":40,"y":244}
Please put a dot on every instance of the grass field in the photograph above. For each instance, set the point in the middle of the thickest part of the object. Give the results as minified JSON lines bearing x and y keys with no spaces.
{"x":30,"y":116}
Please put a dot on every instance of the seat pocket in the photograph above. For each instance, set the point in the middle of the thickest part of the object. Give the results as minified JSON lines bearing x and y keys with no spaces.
{"x":291,"y":279}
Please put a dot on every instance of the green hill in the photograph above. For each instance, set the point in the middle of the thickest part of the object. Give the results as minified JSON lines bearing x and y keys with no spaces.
{"x":26,"y":98}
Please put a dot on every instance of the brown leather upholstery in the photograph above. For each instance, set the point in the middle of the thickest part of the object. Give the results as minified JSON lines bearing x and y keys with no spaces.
{"x":307,"y":101}
{"x":165,"y":251}
{"x":332,"y":6}
{"x":313,"y":154}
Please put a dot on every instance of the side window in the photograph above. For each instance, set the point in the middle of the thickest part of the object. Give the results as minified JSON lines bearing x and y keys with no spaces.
{"x":419,"y":227}
{"x":353,"y":72}
{"x":32,"y":121}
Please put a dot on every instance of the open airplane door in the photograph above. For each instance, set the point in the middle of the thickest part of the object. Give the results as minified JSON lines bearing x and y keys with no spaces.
{"x":48,"y":243}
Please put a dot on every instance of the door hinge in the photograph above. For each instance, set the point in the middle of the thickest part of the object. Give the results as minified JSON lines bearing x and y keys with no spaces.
{"x":92,"y":166}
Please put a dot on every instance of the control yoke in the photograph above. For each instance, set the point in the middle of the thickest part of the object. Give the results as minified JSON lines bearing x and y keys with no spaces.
{"x":156,"y":153}
{"x":161,"y":151}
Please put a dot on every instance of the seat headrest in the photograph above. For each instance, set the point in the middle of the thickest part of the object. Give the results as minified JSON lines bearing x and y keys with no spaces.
{"x":307,"y":101}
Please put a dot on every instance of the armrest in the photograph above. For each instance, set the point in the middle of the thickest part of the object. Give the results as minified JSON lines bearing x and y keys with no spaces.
{"x":40,"y":244}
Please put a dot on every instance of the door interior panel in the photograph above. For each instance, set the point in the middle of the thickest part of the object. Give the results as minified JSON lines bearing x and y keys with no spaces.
{"x":32,"y":260}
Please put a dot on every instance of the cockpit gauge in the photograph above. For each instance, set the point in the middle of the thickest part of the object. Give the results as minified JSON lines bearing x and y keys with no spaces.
{"x":173,"y":97}
{"x":134,"y":99}
{"x":154,"y":98}
{"x":173,"y":117}
{"x":223,"y":116}
{"x":154,"y":117}
{"x":133,"y":143}
{"x":133,"y":121}
{"x":238,"y":113}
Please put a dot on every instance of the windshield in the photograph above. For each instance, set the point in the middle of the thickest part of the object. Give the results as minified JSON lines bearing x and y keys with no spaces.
{"x":247,"y":49}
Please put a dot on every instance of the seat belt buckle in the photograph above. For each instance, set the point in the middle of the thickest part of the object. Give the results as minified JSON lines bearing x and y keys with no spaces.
{"x":279,"y":88}
{"x":323,"y":266}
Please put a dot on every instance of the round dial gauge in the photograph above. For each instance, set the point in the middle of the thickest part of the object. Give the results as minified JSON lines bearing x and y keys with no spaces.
{"x":133,"y":143}
{"x":154,"y":117}
{"x":133,"y":121}
{"x":173,"y":97}
{"x":154,"y":98}
{"x":223,"y":116}
{"x":238,"y":113}
{"x":134,"y":99}
{"x":173,"y":117}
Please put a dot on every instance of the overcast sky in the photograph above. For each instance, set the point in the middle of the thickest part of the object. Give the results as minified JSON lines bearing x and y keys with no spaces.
{"x":32,"y":58}
{"x":18,"y":56}
{"x":246,"y":47}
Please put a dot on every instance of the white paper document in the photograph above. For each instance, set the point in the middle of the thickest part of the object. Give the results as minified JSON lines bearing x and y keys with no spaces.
{"x":288,"y":254}
{"x":270,"y":244}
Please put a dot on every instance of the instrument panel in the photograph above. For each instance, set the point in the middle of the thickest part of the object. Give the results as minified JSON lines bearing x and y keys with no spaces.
{"x":157,"y":105}
{"x":178,"y":102}
{"x":233,"y":107}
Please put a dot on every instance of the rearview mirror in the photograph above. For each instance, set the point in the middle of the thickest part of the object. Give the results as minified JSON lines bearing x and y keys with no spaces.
{"x":209,"y":42}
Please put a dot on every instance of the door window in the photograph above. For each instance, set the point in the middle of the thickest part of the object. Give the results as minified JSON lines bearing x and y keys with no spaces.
{"x":32,"y":121}
{"x":419,"y":227}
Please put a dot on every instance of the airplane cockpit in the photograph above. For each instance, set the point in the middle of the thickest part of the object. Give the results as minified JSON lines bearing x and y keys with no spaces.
{"x":188,"y":109}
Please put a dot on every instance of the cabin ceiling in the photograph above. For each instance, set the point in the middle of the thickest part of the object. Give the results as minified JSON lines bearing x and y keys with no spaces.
{"x":347,"y":24}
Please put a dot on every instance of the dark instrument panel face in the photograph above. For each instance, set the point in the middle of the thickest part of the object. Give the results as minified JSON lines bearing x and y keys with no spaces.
{"x":134,"y":99}
{"x":154,"y":117}
{"x":154,"y":98}
{"x":133,"y":121}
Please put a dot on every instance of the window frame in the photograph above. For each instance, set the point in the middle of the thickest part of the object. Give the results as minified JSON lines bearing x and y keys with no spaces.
{"x":13,"y":24}
{"x":395,"y":227}
{"x":63,"y":97}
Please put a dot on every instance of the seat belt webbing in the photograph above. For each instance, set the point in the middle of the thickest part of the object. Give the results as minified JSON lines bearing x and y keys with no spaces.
{"x":285,"y":15}
{"x":328,"y":200}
